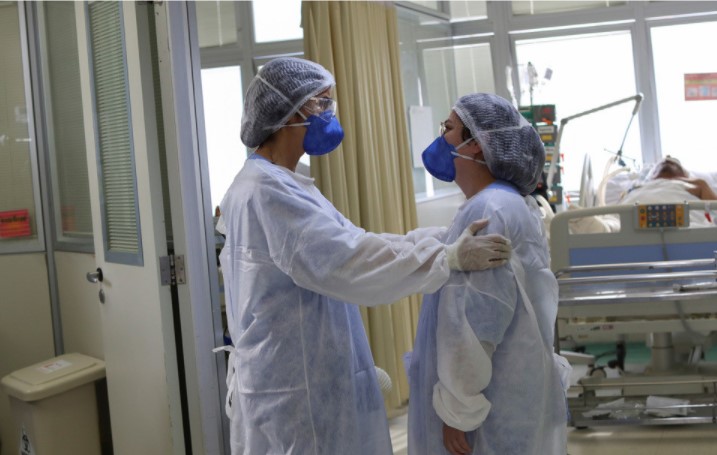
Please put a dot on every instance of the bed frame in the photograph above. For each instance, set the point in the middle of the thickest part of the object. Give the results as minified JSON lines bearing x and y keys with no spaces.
{"x":649,"y":282}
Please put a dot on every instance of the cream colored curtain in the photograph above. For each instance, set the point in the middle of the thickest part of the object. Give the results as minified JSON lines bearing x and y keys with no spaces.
{"x":369,"y":177}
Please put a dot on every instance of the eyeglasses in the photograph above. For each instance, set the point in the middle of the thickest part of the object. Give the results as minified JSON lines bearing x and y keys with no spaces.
{"x":317,"y":105}
{"x":442,"y":128}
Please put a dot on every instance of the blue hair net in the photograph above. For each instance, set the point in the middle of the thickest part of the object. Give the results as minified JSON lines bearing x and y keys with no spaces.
{"x":280,"y":88}
{"x":512,"y":148}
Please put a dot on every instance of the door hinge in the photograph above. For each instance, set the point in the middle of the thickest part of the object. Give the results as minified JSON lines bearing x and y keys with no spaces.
{"x":172,"y":270}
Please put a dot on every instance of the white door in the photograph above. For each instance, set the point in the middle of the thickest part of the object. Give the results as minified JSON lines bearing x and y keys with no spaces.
{"x":128,"y":222}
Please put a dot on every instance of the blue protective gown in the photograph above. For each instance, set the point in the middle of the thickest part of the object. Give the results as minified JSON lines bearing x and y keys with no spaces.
{"x":301,"y":376}
{"x":512,"y":402}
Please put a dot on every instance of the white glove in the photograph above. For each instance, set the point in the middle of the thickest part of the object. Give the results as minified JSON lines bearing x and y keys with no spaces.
{"x":471,"y":252}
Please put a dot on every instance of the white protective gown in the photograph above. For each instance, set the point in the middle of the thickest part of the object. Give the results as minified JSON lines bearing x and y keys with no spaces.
{"x":512,"y":402}
{"x":301,"y":375}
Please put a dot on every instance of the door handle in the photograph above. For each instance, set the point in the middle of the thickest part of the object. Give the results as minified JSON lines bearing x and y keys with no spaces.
{"x":96,"y":276}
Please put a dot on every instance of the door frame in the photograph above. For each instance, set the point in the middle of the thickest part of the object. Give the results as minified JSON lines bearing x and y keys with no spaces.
{"x":192,"y":224}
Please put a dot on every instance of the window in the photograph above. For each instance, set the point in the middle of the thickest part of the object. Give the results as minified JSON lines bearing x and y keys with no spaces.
{"x":431,"y":4}
{"x":428,"y":74}
{"x":588,"y":71}
{"x":65,"y":129}
{"x":278,"y":20}
{"x":216,"y":23}
{"x":20,"y":216}
{"x":467,"y":10}
{"x":451,"y":48}
{"x":687,"y":122}
{"x":450,"y":73}
{"x":120,"y":212}
{"x":542,"y":6}
{"x":231,"y":55}
{"x":223,"y":105}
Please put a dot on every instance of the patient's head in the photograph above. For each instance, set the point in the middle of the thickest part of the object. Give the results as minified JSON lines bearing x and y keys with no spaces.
{"x":668,"y":168}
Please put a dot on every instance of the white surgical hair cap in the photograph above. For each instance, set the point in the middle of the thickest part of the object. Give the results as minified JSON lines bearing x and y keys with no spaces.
{"x":280,"y":88}
{"x":511,"y":147}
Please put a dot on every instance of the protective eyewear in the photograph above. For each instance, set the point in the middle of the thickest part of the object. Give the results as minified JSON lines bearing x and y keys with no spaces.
{"x":318,"y":105}
{"x":443,"y":129}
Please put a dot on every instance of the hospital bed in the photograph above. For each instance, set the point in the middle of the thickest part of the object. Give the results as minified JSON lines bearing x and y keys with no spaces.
{"x":655,"y":278}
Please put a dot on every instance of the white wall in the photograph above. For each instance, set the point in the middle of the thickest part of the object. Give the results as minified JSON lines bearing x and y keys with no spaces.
{"x":26,"y":333}
{"x":25,"y":327}
{"x":439,"y":211}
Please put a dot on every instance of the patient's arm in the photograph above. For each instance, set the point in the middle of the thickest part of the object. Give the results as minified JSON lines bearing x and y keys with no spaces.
{"x":701,"y":189}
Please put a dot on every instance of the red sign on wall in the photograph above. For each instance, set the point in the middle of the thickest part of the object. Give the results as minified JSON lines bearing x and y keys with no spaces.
{"x":700,"y":86}
{"x":14,"y":223}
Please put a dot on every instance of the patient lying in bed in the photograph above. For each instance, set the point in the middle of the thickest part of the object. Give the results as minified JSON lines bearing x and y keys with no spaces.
{"x":667,"y":182}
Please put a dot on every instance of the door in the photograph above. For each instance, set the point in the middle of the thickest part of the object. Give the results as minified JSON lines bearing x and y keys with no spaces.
{"x":129,"y":228}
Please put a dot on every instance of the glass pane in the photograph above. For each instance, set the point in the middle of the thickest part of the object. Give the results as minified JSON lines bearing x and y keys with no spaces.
{"x":429,"y":88}
{"x":579,"y":73}
{"x":687,"y":120}
{"x":18,"y":217}
{"x":120,"y":214}
{"x":466,"y":10}
{"x":223,"y":102}
{"x":427,"y":4}
{"x":474,"y":69}
{"x":65,"y":128}
{"x":451,"y":73}
{"x":544,"y":6}
{"x":277,"y":20}
{"x":216,"y":21}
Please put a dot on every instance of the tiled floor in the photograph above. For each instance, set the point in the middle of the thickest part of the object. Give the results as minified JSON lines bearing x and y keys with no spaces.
{"x":653,"y":440}
{"x":399,"y":434}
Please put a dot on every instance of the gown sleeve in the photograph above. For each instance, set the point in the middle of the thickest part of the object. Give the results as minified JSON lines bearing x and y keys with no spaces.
{"x":474,"y":312}
{"x":322,"y":251}
{"x":418,"y":234}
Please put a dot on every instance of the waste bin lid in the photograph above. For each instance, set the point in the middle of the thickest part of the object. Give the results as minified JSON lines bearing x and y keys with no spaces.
{"x":53,"y":376}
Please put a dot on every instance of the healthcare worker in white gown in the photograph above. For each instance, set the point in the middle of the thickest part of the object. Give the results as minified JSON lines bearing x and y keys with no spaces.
{"x":301,"y":376}
{"x":483,"y":376}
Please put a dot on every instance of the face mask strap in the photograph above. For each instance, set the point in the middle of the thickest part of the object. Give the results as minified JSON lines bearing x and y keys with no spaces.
{"x":299,"y":124}
{"x":333,"y":114}
{"x":465,"y":142}
{"x":455,"y":151}
{"x":456,"y":154}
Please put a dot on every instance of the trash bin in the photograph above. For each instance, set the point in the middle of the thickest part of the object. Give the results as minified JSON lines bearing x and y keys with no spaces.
{"x":54,"y":406}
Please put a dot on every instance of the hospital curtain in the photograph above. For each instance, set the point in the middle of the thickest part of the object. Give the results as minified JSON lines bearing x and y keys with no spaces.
{"x":369,"y":178}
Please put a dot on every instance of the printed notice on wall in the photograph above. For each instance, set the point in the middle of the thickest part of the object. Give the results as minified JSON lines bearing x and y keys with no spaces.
{"x":700,"y":86}
{"x":14,"y":223}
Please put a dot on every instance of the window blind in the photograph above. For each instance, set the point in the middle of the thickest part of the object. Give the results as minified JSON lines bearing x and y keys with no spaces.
{"x":120,"y":215}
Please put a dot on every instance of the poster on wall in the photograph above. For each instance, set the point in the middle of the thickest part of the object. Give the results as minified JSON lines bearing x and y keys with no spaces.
{"x":14,"y":223}
{"x":700,"y":86}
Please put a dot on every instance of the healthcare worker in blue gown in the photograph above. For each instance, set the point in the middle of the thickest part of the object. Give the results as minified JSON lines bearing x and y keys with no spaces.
{"x":483,"y":376}
{"x":301,"y":378}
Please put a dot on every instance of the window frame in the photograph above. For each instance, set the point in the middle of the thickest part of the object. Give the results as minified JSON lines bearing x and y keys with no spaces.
{"x":40,"y":198}
{"x":44,"y":117}
{"x":135,"y":258}
{"x":501,"y":29}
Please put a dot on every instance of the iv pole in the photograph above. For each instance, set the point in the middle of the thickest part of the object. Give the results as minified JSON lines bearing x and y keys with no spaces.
{"x":554,"y":160}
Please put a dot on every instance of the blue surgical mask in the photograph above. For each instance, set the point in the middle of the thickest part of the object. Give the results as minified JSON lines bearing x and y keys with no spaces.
{"x":323,"y":133}
{"x":438,"y":158}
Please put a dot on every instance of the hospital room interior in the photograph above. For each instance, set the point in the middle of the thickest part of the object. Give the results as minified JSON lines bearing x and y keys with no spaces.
{"x":119,"y":137}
